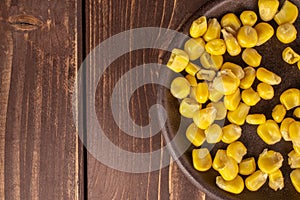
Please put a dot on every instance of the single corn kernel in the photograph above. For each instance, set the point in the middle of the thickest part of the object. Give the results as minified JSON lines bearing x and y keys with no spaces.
{"x":278,"y":113}
{"x":232,"y":45}
{"x":247,"y":37}
{"x":267,"y":76}
{"x":269,"y":161}
{"x":267,"y":9}
{"x":194,"y":48}
{"x":202,"y":92}
{"x":216,"y":47}
{"x":235,"y":186}
{"x":284,"y":128}
{"x":235,"y":69}
{"x":276,"y":180}
{"x":286,"y":33}
{"x":232,"y":101}
{"x":220,"y":159}
{"x":198,"y":27}
{"x":195,"y":135}
{"x":239,"y":115}
{"x":251,"y":57}
{"x":188,"y":107}
{"x":231,"y":20}
{"x":211,"y":61}
{"x":213,"y":30}
{"x":250,"y":97}
{"x":214,"y":95}
{"x":231,"y":133}
{"x":256,"y":119}
{"x":247,"y":166}
{"x":294,"y":159}
{"x":290,"y":56}
{"x":295,"y":178}
{"x":178,"y":61}
{"x":180,"y":88}
{"x":205,"y":74}
{"x":264,"y":32}
{"x":192,"y":69}
{"x":221,"y":109}
{"x":269,"y":132}
{"x":256,"y":180}
{"x":290,"y":98}
{"x":248,"y":17}
{"x":192,"y":80}
{"x":230,"y":169}
{"x":226,"y":82}
{"x":205,"y":117}
{"x":296,"y":149}
{"x":236,"y":150}
{"x":249,"y":78}
{"x":213,"y":134}
{"x":296,"y":113}
{"x":192,"y":94}
{"x":294,"y":131}
{"x":287,"y":14}
{"x":265,"y":91}
{"x":202,"y":160}
{"x":230,"y":30}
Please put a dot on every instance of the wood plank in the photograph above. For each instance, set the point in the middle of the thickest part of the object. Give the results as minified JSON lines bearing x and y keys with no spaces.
{"x":40,"y":154}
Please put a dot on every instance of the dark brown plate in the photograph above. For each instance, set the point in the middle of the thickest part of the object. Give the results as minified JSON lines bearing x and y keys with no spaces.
{"x":290,"y":74}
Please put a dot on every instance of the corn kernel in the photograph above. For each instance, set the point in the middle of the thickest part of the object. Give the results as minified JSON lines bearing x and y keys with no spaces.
{"x":269,"y":161}
{"x":202,"y":92}
{"x":213,"y":134}
{"x":251,"y":57}
{"x":220,"y":159}
{"x":180,"y":88}
{"x":278,"y":113}
{"x":194,"y":48}
{"x":192,"y":80}
{"x":264,"y":32}
{"x":248,"y":17}
{"x":235,"y":69}
{"x":236,"y":150}
{"x":296,"y":112}
{"x":267,"y":76}
{"x":214,"y":95}
{"x":256,"y":119}
{"x":195,"y":135}
{"x":232,"y":101}
{"x":267,"y":9}
{"x":296,"y":149}
{"x":294,"y":159}
{"x":205,"y":74}
{"x":231,"y":20}
{"x":256,"y":180}
{"x":247,"y":166}
{"x":247,"y":37}
{"x":290,"y":56}
{"x":216,"y":47}
{"x":231,"y":133}
{"x":205,"y":117}
{"x":284,"y":128}
{"x":286,"y":33}
{"x":295,"y":178}
{"x":230,"y":30}
{"x":192,"y":69}
{"x":192,"y":94}
{"x":250,"y":97}
{"x":226,"y":82}
{"x":188,"y":107}
{"x":235,"y":186}
{"x":213,"y":30}
{"x":276,"y":180}
{"x":178,"y":60}
{"x":221,"y":109}
{"x":265,"y":91}
{"x":249,"y":78}
{"x":211,"y":61}
{"x":294,"y":131}
{"x":239,"y":115}
{"x":202,"y":160}
{"x":290,"y":98}
{"x":198,"y":27}
{"x":232,"y":45}
{"x":287,"y":14}
{"x":269,"y":132}
{"x":230,"y":169}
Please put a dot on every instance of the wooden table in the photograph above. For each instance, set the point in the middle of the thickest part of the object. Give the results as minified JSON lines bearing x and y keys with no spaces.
{"x":42,"y":46}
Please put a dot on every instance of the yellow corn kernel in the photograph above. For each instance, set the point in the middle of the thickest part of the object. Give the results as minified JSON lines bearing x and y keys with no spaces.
{"x":214,"y":95}
{"x":290,"y":56}
{"x":264,"y":32}
{"x":235,"y":186}
{"x":295,"y":178}
{"x":256,"y":119}
{"x":178,"y":60}
{"x":232,"y":45}
{"x":278,"y":113}
{"x":205,"y":74}
{"x":284,"y":128}
{"x":276,"y":180}
{"x":202,"y":92}
{"x":198,"y":27}
{"x":250,"y":97}
{"x":216,"y":47}
{"x":249,"y":78}
{"x":286,"y":33}
{"x":226,"y":82}
{"x":235,"y":69}
{"x":180,"y":88}
{"x":194,"y":48}
{"x":188,"y":107}
{"x":251,"y":57}
{"x":202,"y":160}
{"x":296,"y":149}
{"x":269,"y":161}
{"x":231,"y":20}
{"x":205,"y":117}
{"x":296,"y":113}
{"x":267,"y":76}
{"x":220,"y":159}
{"x":221,"y":109}
{"x":294,"y":131}
{"x":211,"y":61}
{"x":192,"y":69}
{"x":236,"y":150}
{"x":213,"y":134}
{"x":247,"y":166}
{"x":265,"y":91}
{"x":248,"y":17}
{"x":213,"y":30}
{"x":239,"y":115}
{"x":192,"y":94}
{"x":269,"y":132}
{"x":287,"y":14}
{"x":256,"y":180}
{"x":267,"y":9}
{"x":294,"y":159}
{"x":290,"y":98}
{"x":230,"y":30}
{"x":232,"y":101}
{"x":231,"y":133}
{"x":195,"y":135}
{"x":247,"y":37}
{"x":192,"y":80}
